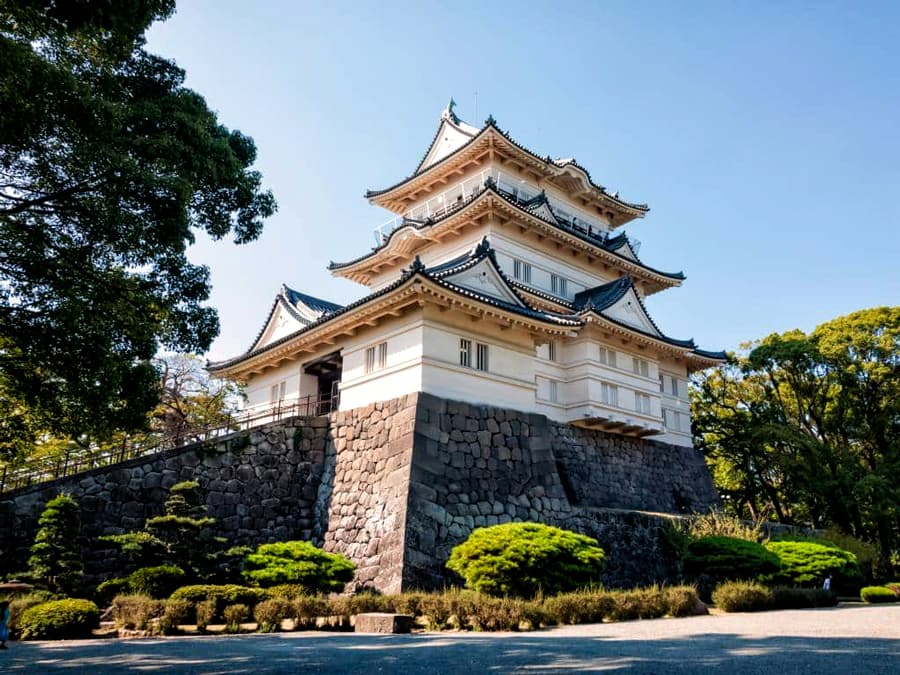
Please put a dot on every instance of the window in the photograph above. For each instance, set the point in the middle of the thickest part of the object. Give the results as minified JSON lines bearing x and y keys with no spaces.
{"x":662,"y":383}
{"x":554,"y":391}
{"x":675,"y":421}
{"x":607,"y":356}
{"x":481,"y":357}
{"x":552,"y":353}
{"x":276,"y":393}
{"x":522,"y":270}
{"x":558,"y":285}
{"x":640,"y":366}
{"x":465,"y":353}
{"x":674,"y":386}
{"x":376,"y":357}
{"x":609,"y":394}
{"x":642,"y":403}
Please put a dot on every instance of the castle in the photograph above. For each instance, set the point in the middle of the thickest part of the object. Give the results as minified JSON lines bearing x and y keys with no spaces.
{"x":504,"y":279}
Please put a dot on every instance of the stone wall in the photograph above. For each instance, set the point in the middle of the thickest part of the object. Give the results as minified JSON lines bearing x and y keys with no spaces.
{"x":394,"y":486}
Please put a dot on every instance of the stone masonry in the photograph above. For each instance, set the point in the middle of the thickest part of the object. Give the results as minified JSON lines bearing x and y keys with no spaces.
{"x":394,"y":486}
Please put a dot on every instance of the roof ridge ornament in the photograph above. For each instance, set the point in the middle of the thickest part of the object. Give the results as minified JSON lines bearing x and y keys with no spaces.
{"x":483,"y":248}
{"x":490,"y":121}
{"x":448,"y":112}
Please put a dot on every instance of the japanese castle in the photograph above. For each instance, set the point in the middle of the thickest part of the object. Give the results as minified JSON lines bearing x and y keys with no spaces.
{"x":503,"y":279}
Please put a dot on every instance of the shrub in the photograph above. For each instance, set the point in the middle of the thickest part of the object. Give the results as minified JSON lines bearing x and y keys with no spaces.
{"x":270,"y":613}
{"x":56,"y":554}
{"x":718,"y":524}
{"x":177,"y":612}
{"x":18,"y":606}
{"x":727,"y":558}
{"x":680,"y":600}
{"x":873,"y":594}
{"x":157,"y":582}
{"x":235,"y":615}
{"x":807,"y":562}
{"x":307,"y":608}
{"x":801,"y":598}
{"x":742,"y":596}
{"x":287,"y":591}
{"x":520,"y":559}
{"x":110,"y":588}
{"x":228,"y":594}
{"x":579,"y":607}
{"x":136,"y":612}
{"x":59,"y":620}
{"x":205,"y":611}
{"x":867,"y":554}
{"x":298,"y":562}
{"x":370,"y":602}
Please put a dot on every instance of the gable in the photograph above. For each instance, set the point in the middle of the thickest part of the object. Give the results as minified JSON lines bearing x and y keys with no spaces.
{"x":629,"y":310}
{"x":448,"y":139}
{"x":483,"y":278}
{"x":543,"y":211}
{"x":281,"y":323}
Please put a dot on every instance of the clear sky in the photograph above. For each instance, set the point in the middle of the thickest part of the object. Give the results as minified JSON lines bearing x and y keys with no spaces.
{"x":764,"y":135}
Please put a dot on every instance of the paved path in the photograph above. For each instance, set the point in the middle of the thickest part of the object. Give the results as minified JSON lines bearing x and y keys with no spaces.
{"x":854,"y":639}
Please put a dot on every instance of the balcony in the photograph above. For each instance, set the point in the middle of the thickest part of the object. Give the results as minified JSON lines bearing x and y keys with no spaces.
{"x":512,"y":188}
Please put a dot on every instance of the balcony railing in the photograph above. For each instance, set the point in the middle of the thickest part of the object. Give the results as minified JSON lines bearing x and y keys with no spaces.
{"x":41,"y":470}
{"x":459,"y":195}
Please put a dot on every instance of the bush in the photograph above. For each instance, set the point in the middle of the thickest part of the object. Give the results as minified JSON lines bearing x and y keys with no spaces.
{"x":743,"y":596}
{"x":235,"y":615}
{"x":680,"y":600}
{"x":270,"y":613}
{"x":298,"y":562}
{"x":59,"y":620}
{"x":110,"y":588}
{"x":205,"y":611}
{"x":807,"y":562}
{"x":873,"y":594}
{"x":136,"y":612}
{"x":727,"y":558}
{"x":287,"y":591}
{"x":228,"y":594}
{"x":307,"y":609}
{"x":802,"y":598}
{"x":18,"y":606}
{"x":718,"y":524}
{"x":177,"y":612}
{"x":157,"y":582}
{"x":578,"y":607}
{"x":520,"y":559}
{"x":868,"y":555}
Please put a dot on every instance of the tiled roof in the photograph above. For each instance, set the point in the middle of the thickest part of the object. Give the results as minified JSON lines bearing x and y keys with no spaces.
{"x":491,"y":123}
{"x":315,"y":304}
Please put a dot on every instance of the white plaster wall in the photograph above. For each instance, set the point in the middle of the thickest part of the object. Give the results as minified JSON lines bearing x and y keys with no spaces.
{"x":259,"y":388}
{"x":402,"y":373}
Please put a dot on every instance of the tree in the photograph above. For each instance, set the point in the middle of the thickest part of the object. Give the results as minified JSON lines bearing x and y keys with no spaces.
{"x":55,"y":560}
{"x":184,"y":537}
{"x":299,"y":563}
{"x":806,"y":428}
{"x":108,"y":167}
{"x":522,"y":559}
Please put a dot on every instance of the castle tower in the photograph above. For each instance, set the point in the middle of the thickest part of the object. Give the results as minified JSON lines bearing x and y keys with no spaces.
{"x":503,"y":278}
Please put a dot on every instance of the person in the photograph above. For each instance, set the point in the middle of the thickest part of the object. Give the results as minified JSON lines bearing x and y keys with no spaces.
{"x":4,"y":623}
{"x":827,"y":584}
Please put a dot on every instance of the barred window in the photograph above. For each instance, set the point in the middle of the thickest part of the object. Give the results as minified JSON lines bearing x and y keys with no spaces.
{"x":465,"y":353}
{"x":481,"y":357}
{"x":640,"y":366}
{"x":607,"y":356}
{"x":609,"y":394}
{"x":376,"y":357}
{"x":522,"y":271}
{"x":552,"y":351}
{"x":642,"y":403}
{"x":558,"y":285}
{"x":554,"y":391}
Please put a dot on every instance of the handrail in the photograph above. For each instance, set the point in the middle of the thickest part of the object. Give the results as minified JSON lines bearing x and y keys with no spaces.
{"x":44,"y":469}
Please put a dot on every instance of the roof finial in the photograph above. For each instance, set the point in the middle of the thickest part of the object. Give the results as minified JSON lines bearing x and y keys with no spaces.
{"x":490,"y":121}
{"x":449,"y":111}
{"x":483,"y":248}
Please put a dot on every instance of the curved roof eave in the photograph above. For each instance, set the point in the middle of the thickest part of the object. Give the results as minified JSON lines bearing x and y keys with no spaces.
{"x":420,"y":225}
{"x":491,"y":124}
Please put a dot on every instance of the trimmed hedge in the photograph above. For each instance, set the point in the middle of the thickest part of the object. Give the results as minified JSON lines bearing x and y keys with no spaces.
{"x":874,"y":594}
{"x":807,"y":562}
{"x":729,"y":558}
{"x":743,"y":596}
{"x":59,"y":620}
{"x":522,"y":559}
{"x":803,"y":598}
{"x":157,"y":582}
{"x":222,"y":596}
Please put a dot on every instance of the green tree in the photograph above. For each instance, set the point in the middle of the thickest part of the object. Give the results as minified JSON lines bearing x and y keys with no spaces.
{"x":806,"y":428}
{"x":522,"y":559}
{"x":299,"y":563}
{"x":183,"y":537}
{"x":55,"y":560}
{"x":109,"y":165}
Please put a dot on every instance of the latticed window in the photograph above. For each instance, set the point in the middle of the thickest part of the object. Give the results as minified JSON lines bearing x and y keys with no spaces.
{"x":522,"y":271}
{"x":481,"y":357}
{"x":642,"y":403}
{"x":640,"y":366}
{"x":465,"y":353}
{"x":607,"y":356}
{"x":376,"y":357}
{"x":609,"y":394}
{"x":552,"y":351}
{"x":554,"y":391}
{"x":559,"y":285}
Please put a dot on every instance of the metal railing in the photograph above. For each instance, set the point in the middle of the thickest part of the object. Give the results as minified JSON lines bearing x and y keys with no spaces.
{"x":515,"y":189}
{"x":44,"y":469}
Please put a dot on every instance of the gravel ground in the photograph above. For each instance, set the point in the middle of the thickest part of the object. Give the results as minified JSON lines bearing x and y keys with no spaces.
{"x":845,"y":639}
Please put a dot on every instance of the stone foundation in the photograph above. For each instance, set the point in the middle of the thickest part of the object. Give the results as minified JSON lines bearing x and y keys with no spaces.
{"x":394,"y":486}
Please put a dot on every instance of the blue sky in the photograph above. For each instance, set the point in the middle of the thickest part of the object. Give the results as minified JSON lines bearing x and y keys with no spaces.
{"x":764,"y":136}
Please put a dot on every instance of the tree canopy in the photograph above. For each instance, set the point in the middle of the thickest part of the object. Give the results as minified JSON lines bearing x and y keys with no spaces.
{"x":805,"y":428}
{"x":109,"y":165}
